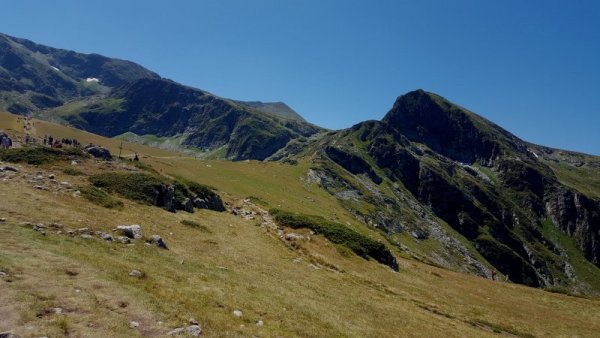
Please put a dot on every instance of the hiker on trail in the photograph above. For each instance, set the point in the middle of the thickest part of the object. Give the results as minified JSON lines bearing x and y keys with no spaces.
{"x":136,"y":158}
{"x":493,"y":275}
{"x":45,"y":140}
{"x":50,"y":141}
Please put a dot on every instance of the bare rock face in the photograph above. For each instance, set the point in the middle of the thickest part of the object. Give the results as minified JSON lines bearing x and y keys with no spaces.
{"x":579,"y":217}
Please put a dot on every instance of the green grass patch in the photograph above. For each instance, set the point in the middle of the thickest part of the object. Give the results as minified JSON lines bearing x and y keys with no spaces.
{"x":100,"y":197}
{"x":195,"y":225}
{"x":73,"y":172}
{"x":339,"y":234}
{"x":40,"y":155}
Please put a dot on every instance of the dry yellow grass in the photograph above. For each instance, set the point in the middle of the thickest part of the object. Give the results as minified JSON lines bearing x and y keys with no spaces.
{"x":311,"y":289}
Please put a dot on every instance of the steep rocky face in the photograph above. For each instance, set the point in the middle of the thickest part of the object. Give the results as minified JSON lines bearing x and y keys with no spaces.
{"x":579,"y":217}
{"x":437,"y":163}
{"x":448,"y":129}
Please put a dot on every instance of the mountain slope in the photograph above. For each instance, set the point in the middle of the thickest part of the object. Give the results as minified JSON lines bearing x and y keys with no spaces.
{"x":470,"y":192}
{"x":56,"y":284}
{"x":34,"y":77}
{"x":277,"y":108}
{"x":114,"y":97}
{"x":164,"y":108}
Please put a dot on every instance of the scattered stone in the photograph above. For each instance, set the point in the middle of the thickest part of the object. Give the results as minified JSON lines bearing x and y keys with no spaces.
{"x":2,"y":219}
{"x":124,"y":239}
{"x":156,"y":239}
{"x":106,"y":236}
{"x":133,"y":231}
{"x":40,"y":187}
{"x":77,"y":193}
{"x":99,"y":152}
{"x":56,"y":310}
{"x":260,"y":323}
{"x":133,"y":324}
{"x":57,"y":225}
{"x":87,"y":236}
{"x":192,"y":321}
{"x":39,"y":227}
{"x":135,"y":273}
{"x":13,"y":169}
{"x":86,"y":231}
{"x":74,"y":162}
{"x":51,"y":176}
{"x":237,"y":313}
{"x":176,"y":331}
{"x":293,"y":236}
{"x":3,"y":274}
{"x":194,"y":330}
{"x":8,"y":334}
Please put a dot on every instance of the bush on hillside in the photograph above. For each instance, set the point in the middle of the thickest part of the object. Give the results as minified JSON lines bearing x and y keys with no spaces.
{"x":339,"y":234}
{"x":40,"y":155}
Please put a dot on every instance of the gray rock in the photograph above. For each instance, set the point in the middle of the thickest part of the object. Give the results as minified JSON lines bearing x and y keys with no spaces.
{"x":156,"y":239}
{"x":293,"y":236}
{"x":192,"y":321}
{"x":177,"y":331}
{"x":133,"y":231}
{"x":194,"y":330}
{"x":187,"y":205}
{"x":40,"y":187}
{"x":237,"y":313}
{"x":135,"y":273}
{"x":87,"y":236}
{"x":99,"y":152}
{"x":260,"y":323}
{"x":57,"y":225}
{"x":39,"y":227}
{"x":106,"y":236}
{"x":3,"y":274}
{"x":166,"y":198}
{"x":124,"y":239}
{"x":133,"y":324}
{"x":51,"y":176}
{"x":2,"y":219}
{"x":13,"y":169}
{"x":86,"y":231}
{"x":8,"y":334}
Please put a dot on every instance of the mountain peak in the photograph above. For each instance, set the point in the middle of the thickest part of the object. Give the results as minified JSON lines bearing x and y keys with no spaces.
{"x":447,"y":128}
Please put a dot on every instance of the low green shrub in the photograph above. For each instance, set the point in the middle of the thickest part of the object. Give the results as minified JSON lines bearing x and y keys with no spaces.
{"x":100,"y":197}
{"x":154,"y":189}
{"x":40,"y":155}
{"x":339,"y":234}
{"x":73,"y":172}
{"x":139,"y":187}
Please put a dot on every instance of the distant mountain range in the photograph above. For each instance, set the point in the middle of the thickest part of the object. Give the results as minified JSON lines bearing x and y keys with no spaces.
{"x":444,"y":184}
{"x":112,"y":97}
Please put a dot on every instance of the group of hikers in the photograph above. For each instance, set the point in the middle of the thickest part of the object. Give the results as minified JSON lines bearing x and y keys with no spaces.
{"x":5,"y":141}
{"x":59,"y":143}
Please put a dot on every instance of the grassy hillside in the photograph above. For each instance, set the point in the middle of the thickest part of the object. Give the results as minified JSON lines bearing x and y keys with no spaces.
{"x":221,"y":262}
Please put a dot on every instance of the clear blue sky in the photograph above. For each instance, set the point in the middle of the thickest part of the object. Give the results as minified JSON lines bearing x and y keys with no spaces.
{"x":533,"y":67}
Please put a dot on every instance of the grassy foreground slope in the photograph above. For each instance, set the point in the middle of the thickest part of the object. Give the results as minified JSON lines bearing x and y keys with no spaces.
{"x":227,"y":263}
